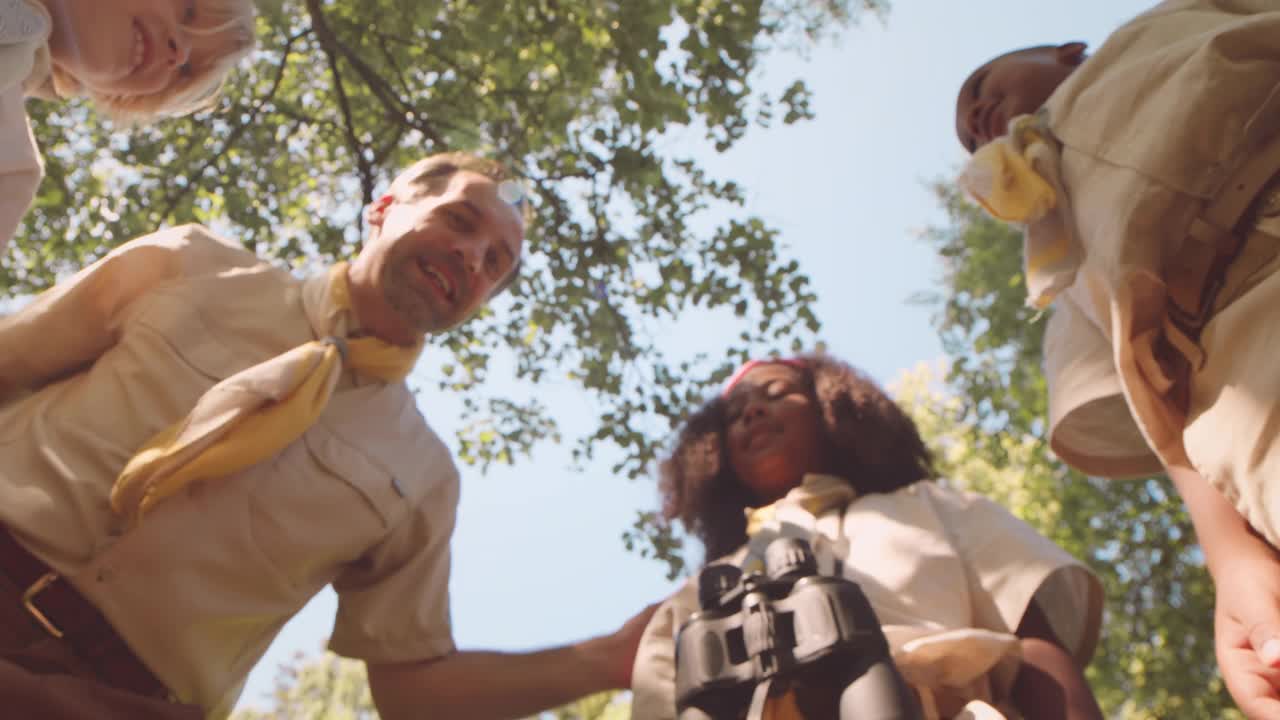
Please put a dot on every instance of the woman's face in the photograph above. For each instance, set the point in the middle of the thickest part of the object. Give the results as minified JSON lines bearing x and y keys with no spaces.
{"x":126,"y":47}
{"x":774,"y":431}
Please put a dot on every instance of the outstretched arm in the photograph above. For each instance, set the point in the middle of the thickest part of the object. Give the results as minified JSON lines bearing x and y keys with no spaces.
{"x":494,"y":685}
{"x":1049,"y":684}
{"x":68,"y":326}
{"x":1246,"y":575}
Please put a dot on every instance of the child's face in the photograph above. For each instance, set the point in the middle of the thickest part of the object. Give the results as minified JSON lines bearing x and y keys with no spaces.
{"x":1013,"y":84}
{"x":126,"y":47}
{"x":774,"y":434}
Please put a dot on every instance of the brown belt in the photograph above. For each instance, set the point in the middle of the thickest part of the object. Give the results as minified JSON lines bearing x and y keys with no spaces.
{"x":57,"y":610}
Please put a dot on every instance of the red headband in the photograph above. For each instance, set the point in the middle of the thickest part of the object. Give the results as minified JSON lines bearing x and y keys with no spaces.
{"x":749,"y":365}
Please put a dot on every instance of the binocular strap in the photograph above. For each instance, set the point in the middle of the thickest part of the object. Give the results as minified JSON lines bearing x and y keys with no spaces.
{"x":759,"y":698}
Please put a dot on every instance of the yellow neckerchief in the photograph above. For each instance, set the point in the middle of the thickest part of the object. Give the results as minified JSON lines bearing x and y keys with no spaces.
{"x":253,"y":414}
{"x":795,"y":512}
{"x":816,"y":494}
{"x":1017,"y":178}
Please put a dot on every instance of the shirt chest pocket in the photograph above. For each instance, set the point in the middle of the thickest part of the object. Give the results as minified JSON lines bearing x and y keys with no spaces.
{"x":321,"y":505}
{"x":168,"y":323}
{"x":216,"y":327}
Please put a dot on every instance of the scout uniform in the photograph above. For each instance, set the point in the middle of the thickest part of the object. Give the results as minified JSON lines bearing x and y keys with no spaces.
{"x":949,"y":574}
{"x":193,"y":591}
{"x":1161,"y":347}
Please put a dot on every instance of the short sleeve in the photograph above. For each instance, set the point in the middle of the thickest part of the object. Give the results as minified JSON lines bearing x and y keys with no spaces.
{"x":20,"y":166}
{"x":393,"y":603}
{"x":653,"y":677}
{"x":1090,"y":425}
{"x":1010,"y":564}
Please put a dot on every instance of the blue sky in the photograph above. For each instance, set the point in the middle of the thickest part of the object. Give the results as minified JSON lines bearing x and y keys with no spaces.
{"x":537,"y":554}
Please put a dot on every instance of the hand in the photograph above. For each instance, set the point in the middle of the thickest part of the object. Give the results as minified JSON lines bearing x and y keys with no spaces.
{"x":1247,"y":628}
{"x":619,"y":649}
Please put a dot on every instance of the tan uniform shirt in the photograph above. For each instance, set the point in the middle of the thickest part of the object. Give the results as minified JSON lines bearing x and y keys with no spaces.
{"x":365,"y":500}
{"x":1156,"y":128}
{"x":949,"y":574}
{"x":24,"y":30}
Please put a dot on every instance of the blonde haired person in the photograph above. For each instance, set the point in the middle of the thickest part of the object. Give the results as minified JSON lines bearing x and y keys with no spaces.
{"x":136,"y":60}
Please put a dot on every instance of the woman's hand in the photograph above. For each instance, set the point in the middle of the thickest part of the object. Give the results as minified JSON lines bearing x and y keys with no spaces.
{"x":1247,"y":628}
{"x":617,"y":652}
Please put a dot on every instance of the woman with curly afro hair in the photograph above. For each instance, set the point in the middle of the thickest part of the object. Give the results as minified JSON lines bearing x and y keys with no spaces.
{"x":985,"y":617}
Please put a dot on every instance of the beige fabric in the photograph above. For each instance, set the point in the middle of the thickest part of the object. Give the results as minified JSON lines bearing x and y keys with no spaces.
{"x":365,"y":500}
{"x":24,"y":30}
{"x":254,"y":414}
{"x":1157,"y":126}
{"x":1092,"y":428}
{"x":949,"y":574}
{"x":1231,"y":434}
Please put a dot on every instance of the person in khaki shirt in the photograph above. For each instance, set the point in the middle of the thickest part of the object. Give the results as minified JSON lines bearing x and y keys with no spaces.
{"x":1146,"y":179}
{"x":169,"y":546}
{"x":985,"y":618}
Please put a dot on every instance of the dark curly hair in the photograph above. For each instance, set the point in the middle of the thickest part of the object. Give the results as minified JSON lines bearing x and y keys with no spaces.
{"x":874,"y":446}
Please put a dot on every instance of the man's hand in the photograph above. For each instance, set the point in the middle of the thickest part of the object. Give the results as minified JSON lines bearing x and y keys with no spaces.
{"x":1246,"y":574}
{"x":616,"y":653}
{"x":1247,"y":628}
{"x":480,"y":685}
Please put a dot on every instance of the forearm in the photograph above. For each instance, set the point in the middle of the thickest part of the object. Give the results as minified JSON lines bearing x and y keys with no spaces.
{"x":482,"y":685}
{"x":1221,"y":530}
{"x":1049,"y":684}
{"x":70,"y":325}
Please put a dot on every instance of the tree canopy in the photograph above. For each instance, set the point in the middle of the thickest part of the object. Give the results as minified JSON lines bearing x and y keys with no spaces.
{"x":575,"y":95}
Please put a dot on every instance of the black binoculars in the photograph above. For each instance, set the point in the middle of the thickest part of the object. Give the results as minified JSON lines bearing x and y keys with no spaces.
{"x":758,"y":635}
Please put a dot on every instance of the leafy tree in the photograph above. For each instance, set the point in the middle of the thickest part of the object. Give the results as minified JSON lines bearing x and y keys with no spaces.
{"x":324,"y":687}
{"x":628,"y":233}
{"x":1156,"y":659}
{"x":601,"y":706}
{"x":328,"y":687}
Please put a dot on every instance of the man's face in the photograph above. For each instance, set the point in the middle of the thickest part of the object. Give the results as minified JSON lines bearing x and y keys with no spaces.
{"x":130,"y":47}
{"x":1011,"y":85}
{"x":436,"y":259}
{"x":773,"y":430}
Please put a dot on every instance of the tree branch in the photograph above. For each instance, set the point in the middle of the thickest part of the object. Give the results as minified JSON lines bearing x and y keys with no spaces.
{"x":396,"y":107}
{"x":353,"y":141}
{"x":171,"y":202}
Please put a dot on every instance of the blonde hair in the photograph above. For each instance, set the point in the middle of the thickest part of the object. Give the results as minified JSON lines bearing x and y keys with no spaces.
{"x":229,"y":22}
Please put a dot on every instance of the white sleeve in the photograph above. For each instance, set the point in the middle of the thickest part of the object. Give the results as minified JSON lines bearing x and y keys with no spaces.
{"x":20,"y":166}
{"x":1090,"y":424}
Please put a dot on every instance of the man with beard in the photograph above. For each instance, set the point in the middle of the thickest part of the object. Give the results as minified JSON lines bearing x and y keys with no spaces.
{"x":193,"y":443}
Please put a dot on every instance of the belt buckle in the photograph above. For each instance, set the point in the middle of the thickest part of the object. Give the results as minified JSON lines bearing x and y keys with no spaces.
{"x":28,"y":602}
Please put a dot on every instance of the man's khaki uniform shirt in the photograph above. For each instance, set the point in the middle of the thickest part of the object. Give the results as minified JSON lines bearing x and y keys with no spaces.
{"x":1156,"y":128}
{"x":949,"y":574}
{"x":365,"y":500}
